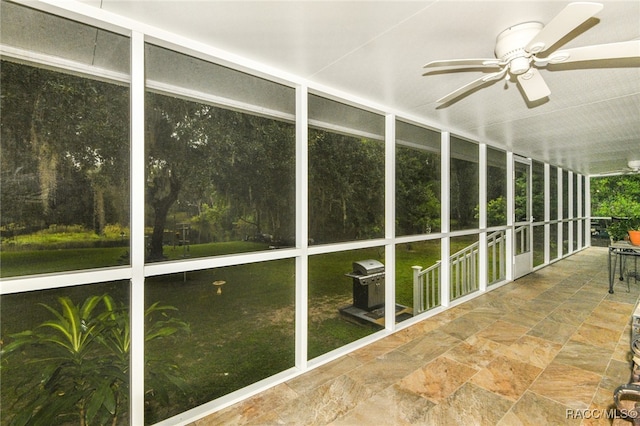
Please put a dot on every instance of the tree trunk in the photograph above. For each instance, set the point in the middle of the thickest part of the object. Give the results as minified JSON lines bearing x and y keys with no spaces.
{"x":47,"y":163}
{"x":161,"y":208}
{"x":99,"y":220}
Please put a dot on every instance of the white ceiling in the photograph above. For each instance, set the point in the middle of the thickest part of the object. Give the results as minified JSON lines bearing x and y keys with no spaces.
{"x":375,"y":50}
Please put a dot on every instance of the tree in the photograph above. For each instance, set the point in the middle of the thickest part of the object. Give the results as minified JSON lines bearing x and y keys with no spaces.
{"x":64,"y":149}
{"x":417,"y":191}
{"x":464,"y":192}
{"x":199,"y":155}
{"x":615,"y":196}
{"x":346,"y":187}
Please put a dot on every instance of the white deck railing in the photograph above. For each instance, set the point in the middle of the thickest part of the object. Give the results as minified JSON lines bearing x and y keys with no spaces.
{"x":496,"y":245}
{"x":521,"y":238}
{"x":463,"y":267}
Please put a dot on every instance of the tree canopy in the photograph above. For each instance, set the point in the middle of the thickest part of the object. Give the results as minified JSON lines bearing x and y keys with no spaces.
{"x":616,"y":196}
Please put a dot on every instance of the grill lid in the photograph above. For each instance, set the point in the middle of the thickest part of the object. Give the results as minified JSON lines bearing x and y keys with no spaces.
{"x":367,"y":267}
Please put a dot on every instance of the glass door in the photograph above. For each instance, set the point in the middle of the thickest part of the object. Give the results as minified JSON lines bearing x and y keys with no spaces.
{"x":522,"y":229}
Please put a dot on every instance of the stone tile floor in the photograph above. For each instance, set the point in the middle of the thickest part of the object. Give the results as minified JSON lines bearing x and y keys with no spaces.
{"x":547,"y":349}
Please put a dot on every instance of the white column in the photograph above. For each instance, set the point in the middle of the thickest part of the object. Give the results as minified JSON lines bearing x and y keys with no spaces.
{"x":547,"y":212}
{"x":560,"y":214}
{"x":572,"y":211}
{"x":445,"y":197}
{"x":390,"y":221}
{"x":482,"y":238}
{"x":137,"y":169}
{"x":302,"y":226}
{"x":510,"y":216}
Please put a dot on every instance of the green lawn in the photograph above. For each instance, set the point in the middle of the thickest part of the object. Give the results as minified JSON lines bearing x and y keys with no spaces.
{"x":28,"y":262}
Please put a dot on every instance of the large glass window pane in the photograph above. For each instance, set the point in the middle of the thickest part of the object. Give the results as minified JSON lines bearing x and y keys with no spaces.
{"x":553,"y":241}
{"x":521,"y":192}
{"x":565,"y":238}
{"x":64,"y":138}
{"x":463,"y":266}
{"x":538,"y":245}
{"x":235,"y":326}
{"x":565,"y":195}
{"x":553,"y":193}
{"x":220,"y":166}
{"x":584,"y":212}
{"x":496,"y":187}
{"x":574,"y":200}
{"x":65,"y":355}
{"x":418,"y":272}
{"x":417,"y":180}
{"x":537,"y":191}
{"x":346,"y":172}
{"x":464,"y":184}
{"x":344,"y":308}
{"x":496,"y":257}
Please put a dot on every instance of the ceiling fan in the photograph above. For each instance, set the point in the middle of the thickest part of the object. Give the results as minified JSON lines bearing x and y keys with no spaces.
{"x":519,"y":53}
{"x":633,"y":167}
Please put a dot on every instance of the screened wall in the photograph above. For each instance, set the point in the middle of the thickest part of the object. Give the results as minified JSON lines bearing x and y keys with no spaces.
{"x":178,"y":232}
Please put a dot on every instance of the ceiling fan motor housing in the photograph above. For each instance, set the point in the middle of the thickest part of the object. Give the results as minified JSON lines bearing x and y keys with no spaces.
{"x":510,"y":45}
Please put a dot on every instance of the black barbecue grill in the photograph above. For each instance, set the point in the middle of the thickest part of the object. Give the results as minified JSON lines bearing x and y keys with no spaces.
{"x":368,"y":284}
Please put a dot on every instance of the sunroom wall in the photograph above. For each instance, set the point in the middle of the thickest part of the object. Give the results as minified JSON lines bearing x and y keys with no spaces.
{"x":299,"y":261}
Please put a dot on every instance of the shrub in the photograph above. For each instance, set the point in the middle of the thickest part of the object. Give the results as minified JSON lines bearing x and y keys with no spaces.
{"x":82,"y":354}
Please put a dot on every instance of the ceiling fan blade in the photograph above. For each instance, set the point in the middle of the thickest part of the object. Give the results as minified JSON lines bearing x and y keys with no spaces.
{"x":533,"y":85}
{"x":562,"y":24}
{"x":486,"y":62}
{"x":621,"y":50}
{"x":470,"y":86}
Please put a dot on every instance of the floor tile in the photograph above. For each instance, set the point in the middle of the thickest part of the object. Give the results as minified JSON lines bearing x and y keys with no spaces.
{"x":524,"y":317}
{"x":438,"y":379}
{"x":469,"y":405}
{"x":533,"y":350}
{"x":582,"y":355}
{"x":326,"y":402}
{"x":385,"y":370}
{"x":323,"y":374}
{"x":552,"y":330}
{"x":503,"y":332}
{"x":392,"y":406}
{"x":469,"y":324}
{"x":597,"y":336}
{"x":571,"y":386}
{"x":536,"y":410}
{"x":617,"y":373}
{"x":430,"y":345}
{"x":476,"y":352}
{"x":506,"y":377}
{"x":250,"y":410}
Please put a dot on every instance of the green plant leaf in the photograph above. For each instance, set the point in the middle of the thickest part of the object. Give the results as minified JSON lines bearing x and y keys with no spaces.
{"x":93,"y":405}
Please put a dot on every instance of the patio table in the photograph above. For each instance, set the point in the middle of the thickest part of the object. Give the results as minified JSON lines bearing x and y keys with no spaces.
{"x":619,"y":251}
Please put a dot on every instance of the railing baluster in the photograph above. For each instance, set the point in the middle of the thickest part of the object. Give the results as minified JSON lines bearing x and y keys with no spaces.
{"x":426,"y":287}
{"x":417,"y":289}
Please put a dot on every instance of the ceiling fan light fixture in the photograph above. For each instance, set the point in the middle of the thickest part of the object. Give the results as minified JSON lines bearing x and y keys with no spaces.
{"x":510,"y":43}
{"x":519,"y":65}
